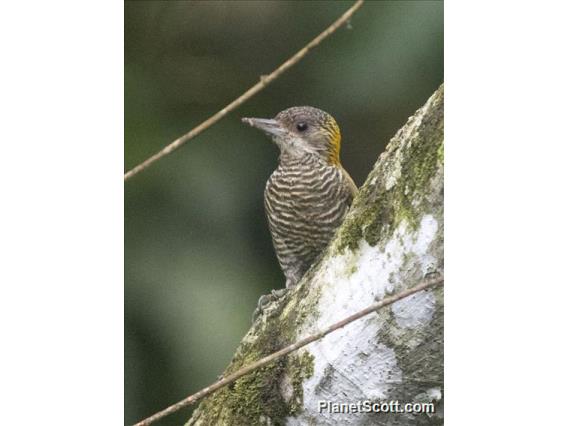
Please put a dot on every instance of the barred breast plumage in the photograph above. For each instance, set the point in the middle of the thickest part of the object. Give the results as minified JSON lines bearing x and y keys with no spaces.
{"x":305,"y":201}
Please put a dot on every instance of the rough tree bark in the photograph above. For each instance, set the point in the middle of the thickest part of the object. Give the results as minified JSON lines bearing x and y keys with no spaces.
{"x":391,"y":239}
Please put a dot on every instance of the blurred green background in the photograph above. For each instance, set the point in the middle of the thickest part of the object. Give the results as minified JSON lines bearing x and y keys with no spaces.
{"x":197,"y":249}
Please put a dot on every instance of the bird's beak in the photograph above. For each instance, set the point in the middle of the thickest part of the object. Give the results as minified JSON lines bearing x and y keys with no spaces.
{"x":269,"y":126}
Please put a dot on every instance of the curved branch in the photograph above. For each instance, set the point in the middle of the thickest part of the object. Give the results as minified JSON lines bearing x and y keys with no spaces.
{"x":264,"y":81}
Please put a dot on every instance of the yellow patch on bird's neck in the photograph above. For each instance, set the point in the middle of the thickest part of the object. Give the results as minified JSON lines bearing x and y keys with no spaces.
{"x":334,"y":143}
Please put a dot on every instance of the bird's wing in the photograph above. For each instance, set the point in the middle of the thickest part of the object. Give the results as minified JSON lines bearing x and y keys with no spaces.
{"x":350,"y":184}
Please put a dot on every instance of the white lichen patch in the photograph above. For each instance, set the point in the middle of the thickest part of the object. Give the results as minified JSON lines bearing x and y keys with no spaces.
{"x":394,"y":175}
{"x":415,"y":310}
{"x":434,"y":394}
{"x":286,"y":388}
{"x":265,"y":421}
{"x":352,"y":364}
{"x":426,"y":233}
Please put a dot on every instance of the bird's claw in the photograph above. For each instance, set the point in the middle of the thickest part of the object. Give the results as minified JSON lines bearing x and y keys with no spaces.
{"x":267,"y":299}
{"x":277,"y":294}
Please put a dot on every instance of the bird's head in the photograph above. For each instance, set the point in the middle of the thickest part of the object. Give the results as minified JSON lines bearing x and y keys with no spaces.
{"x":302,"y":130}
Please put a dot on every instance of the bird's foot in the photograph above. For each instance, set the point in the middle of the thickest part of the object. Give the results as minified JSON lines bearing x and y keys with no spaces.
{"x":277,"y":294}
{"x":266,"y":300}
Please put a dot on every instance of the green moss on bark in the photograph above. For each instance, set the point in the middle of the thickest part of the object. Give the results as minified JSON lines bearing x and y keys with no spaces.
{"x":402,"y":174}
{"x":300,"y":368}
{"x":257,"y":398}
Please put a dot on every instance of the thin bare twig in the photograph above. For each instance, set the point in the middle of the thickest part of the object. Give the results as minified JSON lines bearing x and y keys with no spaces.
{"x":264,"y":81}
{"x":288,"y":349}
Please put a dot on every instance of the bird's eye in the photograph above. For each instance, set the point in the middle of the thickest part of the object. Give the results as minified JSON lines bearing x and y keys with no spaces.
{"x":301,"y":126}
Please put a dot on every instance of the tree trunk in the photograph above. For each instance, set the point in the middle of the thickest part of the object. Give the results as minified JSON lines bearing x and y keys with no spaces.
{"x":391,"y":239}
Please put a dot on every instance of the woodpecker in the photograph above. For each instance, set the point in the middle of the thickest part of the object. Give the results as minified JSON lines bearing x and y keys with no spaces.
{"x":308,"y":195}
